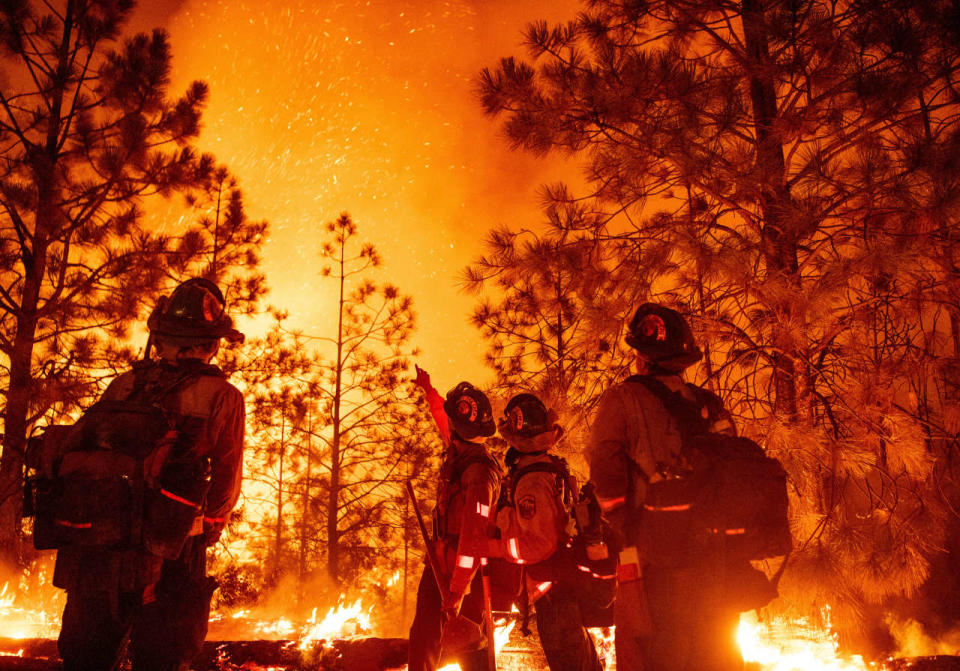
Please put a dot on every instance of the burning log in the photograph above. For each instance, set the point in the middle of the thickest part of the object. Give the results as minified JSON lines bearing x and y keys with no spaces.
{"x":937,"y":663}
{"x":353,"y":654}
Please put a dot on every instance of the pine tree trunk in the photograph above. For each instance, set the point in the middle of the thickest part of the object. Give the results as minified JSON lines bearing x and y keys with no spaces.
{"x":333,"y":500}
{"x":406,"y":556}
{"x":305,"y":515}
{"x":779,"y":244}
{"x":278,"y":528}
{"x":16,"y":415}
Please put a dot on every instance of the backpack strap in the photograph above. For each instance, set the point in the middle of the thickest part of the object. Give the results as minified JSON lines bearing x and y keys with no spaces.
{"x":556,"y":466}
{"x":692,"y":417}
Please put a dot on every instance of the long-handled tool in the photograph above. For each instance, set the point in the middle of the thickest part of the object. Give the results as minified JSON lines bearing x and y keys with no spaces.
{"x":459,"y":633}
{"x":431,"y":547}
{"x":489,"y":626}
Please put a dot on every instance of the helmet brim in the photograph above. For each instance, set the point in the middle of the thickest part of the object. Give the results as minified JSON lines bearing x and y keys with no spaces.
{"x":199,"y":332}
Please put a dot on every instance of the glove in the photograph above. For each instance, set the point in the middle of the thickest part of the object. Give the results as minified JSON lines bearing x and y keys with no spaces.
{"x":423,"y":378}
{"x":451,"y":604}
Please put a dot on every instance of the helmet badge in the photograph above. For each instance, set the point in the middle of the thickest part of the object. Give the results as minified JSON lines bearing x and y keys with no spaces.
{"x":654,"y":328}
{"x":468,"y":408}
{"x":212,"y":309}
{"x":516,"y":419}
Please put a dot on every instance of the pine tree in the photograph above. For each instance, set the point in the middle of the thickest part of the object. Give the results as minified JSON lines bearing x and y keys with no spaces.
{"x":87,"y":132}
{"x":362,"y":402}
{"x":223,"y":245}
{"x":778,"y":171}
{"x":542,"y":311}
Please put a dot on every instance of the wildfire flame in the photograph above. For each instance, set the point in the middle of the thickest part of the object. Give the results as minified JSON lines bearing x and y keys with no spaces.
{"x":339,"y":622}
{"x":778,"y":644}
{"x":17,"y":621}
{"x":770,"y":643}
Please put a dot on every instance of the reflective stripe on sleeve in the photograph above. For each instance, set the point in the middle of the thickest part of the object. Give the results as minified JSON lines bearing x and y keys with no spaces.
{"x":73,"y":525}
{"x":463,"y":561}
{"x":668,"y":509}
{"x":610,"y":504}
{"x":179,"y":499}
{"x":483,"y":510}
{"x":514,"y":549}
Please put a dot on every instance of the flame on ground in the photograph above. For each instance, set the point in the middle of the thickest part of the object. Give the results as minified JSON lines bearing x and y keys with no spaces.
{"x":17,"y":621}
{"x":773,"y":643}
{"x":341,"y":621}
{"x":778,"y":644}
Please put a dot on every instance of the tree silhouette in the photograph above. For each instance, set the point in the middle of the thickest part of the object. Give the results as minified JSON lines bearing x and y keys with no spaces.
{"x":543,"y":311}
{"x":362,"y":402}
{"x":87,"y":133}
{"x":782,"y":172}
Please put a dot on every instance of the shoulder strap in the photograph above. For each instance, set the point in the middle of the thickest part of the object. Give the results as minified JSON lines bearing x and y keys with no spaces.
{"x":692,"y":417}
{"x":556,"y":466}
{"x":190,"y":372}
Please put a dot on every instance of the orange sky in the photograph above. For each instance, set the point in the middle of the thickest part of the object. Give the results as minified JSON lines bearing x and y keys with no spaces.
{"x":366,"y":106}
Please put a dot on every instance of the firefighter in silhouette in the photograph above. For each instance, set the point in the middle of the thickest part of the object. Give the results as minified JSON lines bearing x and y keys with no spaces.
{"x":149,"y":590}
{"x":667,"y":618}
{"x":469,"y":482}
{"x":533,"y":518}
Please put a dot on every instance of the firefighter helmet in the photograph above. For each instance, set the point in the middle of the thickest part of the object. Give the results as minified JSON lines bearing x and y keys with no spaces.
{"x":664,"y":336}
{"x":525,"y":415}
{"x":469,"y":411}
{"x":195,"y":310}
{"x":528,"y":425}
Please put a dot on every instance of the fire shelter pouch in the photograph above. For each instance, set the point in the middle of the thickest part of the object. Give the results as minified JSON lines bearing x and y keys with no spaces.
{"x":174,"y":506}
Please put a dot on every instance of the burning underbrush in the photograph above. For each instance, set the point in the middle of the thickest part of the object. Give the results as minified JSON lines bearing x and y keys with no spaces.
{"x":292,"y":630}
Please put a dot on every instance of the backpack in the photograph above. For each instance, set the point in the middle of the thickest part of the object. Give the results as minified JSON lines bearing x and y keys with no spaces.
{"x":127,"y":475}
{"x":725,"y":496}
{"x":593,"y":580}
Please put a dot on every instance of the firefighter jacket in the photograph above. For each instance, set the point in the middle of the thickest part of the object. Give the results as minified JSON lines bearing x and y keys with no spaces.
{"x":534,"y":523}
{"x":632,"y":430}
{"x":469,"y":486}
{"x":217,"y":406}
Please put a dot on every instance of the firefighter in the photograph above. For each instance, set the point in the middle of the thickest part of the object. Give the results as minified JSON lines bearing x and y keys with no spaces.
{"x":667,"y":619}
{"x":160,"y":607}
{"x":533,"y":521}
{"x":468,"y":486}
